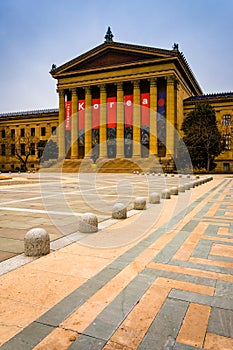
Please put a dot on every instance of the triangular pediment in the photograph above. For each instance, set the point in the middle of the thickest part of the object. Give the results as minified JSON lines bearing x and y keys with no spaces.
{"x":111,"y":55}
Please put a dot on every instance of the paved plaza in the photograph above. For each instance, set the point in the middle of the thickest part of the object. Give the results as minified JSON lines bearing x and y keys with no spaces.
{"x":160,"y":279}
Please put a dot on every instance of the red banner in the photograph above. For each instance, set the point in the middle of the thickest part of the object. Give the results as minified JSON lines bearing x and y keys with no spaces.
{"x":145,"y":109}
{"x":81,"y":114}
{"x":95,"y":113}
{"x":112,"y":111}
{"x":128,"y":103}
{"x":68,"y":115}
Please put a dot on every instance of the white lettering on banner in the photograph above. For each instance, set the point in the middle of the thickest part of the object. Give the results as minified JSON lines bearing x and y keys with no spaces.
{"x":145,"y":101}
{"x":96,"y":106}
{"x":128,"y":103}
{"x":80,"y":106}
{"x":111,"y":104}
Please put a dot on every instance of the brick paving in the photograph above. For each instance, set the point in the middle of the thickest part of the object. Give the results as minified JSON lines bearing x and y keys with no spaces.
{"x":161,"y":279}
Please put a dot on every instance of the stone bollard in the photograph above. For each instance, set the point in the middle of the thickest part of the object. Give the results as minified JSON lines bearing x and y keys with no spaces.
{"x":181,"y":188}
{"x":166,"y":194}
{"x":36,"y":242}
{"x":140,"y":203}
{"x":119,"y":211}
{"x":174,"y":191}
{"x":88,"y":223}
{"x":154,"y":198}
{"x":187,"y":186}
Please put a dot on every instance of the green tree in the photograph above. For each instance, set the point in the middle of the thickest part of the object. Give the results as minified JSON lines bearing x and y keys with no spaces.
{"x":202,"y":136}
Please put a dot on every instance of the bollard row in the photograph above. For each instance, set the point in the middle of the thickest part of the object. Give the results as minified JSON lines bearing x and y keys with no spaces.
{"x":37,"y":240}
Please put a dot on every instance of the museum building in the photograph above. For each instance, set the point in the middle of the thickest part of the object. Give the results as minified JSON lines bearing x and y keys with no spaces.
{"x":118,"y":101}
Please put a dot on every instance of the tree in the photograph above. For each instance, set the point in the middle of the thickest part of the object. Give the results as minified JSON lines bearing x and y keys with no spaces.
{"x":202,"y":136}
{"x":21,"y":147}
{"x":25,"y":146}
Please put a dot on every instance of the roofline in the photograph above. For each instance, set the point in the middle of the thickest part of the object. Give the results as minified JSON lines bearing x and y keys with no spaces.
{"x":217,"y":95}
{"x":25,"y":113}
{"x":173,"y":53}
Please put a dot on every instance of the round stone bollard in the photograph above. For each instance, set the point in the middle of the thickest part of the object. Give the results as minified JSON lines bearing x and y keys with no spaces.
{"x":181,"y":188}
{"x":154,"y":198}
{"x":36,"y":242}
{"x":166,"y":194}
{"x":187,"y":186}
{"x":174,"y":191}
{"x":88,"y":223}
{"x":119,"y":211}
{"x":140,"y":203}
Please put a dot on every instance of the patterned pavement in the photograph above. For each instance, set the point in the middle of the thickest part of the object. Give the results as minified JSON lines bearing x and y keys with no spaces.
{"x":172,"y":288}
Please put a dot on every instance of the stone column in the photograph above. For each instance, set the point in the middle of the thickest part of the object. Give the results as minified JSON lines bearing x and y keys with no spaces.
{"x":120,"y":122}
{"x":153,"y":117}
{"x":61,"y":129}
{"x":74,"y":125}
{"x":88,"y":122}
{"x":170,"y":116}
{"x":103,"y":120}
{"x":136,"y":119}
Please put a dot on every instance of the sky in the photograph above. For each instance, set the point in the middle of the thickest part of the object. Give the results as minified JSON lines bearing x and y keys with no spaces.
{"x":34,"y":34}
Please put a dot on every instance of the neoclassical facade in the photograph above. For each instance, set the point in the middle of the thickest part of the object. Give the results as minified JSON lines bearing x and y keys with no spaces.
{"x":117,"y":101}
{"x":122,"y":101}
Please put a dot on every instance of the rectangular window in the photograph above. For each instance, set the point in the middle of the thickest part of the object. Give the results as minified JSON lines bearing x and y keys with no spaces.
{"x":33,"y":131}
{"x":12,"y":133}
{"x":33,"y":149}
{"x":12,"y":149}
{"x":226,"y":120}
{"x":22,"y":132}
{"x":12,"y":167}
{"x":227,"y":141}
{"x":43,"y":131}
{"x":54,"y":130}
{"x":22,"y":149}
{"x":3,"y":133}
{"x":3,"y":149}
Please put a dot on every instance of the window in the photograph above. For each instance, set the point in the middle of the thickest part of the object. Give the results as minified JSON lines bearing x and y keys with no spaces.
{"x":3,"y":149}
{"x":226,"y":120}
{"x":12,"y":167}
{"x":33,"y":149}
{"x":43,"y":131}
{"x":12,"y":133}
{"x":22,"y":132}
{"x":22,"y":149}
{"x":227,"y":138}
{"x":32,"y":166}
{"x":12,"y":149}
{"x":33,"y":131}
{"x":226,"y":166}
{"x":54,"y":130}
{"x":3,"y":133}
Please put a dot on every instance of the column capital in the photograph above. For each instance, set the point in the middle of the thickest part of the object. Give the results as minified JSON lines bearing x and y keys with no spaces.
{"x":74,"y":91}
{"x":102,"y":87}
{"x":87,"y":89}
{"x":171,"y":79}
{"x":119,"y":85}
{"x":61,"y":92}
{"x":136,"y":84}
{"x":153,"y":81}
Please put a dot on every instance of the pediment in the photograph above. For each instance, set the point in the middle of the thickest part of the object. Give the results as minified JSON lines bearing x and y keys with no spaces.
{"x":110,"y":56}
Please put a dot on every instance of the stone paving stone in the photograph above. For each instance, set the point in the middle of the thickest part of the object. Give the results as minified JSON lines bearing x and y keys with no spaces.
{"x":165,"y":255}
{"x":202,"y":299}
{"x":5,"y":256}
{"x":165,"y":327}
{"x":105,"y":324}
{"x":28,"y":338}
{"x":65,"y":307}
{"x":224,"y":289}
{"x":203,"y":267}
{"x":221,"y":322}
{"x":11,"y":245}
{"x":85,"y":342}
{"x":180,"y":346}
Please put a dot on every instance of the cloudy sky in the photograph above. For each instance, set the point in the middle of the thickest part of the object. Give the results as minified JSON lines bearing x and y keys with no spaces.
{"x":34,"y":34}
